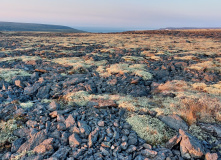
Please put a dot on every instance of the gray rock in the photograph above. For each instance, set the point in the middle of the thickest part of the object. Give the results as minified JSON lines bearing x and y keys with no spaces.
{"x":61,"y":153}
{"x":6,"y":156}
{"x":139,"y":157}
{"x":31,"y":90}
{"x":60,"y":118}
{"x":131,"y":149}
{"x":215,"y":129}
{"x":55,"y":134}
{"x":77,"y":153}
{"x":74,"y":140}
{"x":132,"y":139}
{"x":163,"y":153}
{"x":148,"y":153}
{"x":84,"y":128}
{"x":174,"y":121}
{"x":16,"y":144}
{"x":34,"y":141}
{"x":104,"y":151}
{"x":147,"y":146}
{"x":43,"y":92}
{"x":64,"y":137}
{"x":124,"y":145}
{"x":190,"y":147}
{"x":75,"y":80}
{"x":124,"y":138}
{"x":100,"y":123}
{"x":31,"y":123}
{"x":22,"y":132}
{"x":173,"y":141}
{"x":61,"y":127}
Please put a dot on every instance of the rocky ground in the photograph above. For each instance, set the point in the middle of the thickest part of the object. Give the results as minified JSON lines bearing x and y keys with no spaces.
{"x":110,"y":96}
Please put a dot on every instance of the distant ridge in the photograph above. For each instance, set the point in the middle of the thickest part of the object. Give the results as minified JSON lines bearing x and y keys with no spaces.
{"x":34,"y":27}
{"x":183,"y":28}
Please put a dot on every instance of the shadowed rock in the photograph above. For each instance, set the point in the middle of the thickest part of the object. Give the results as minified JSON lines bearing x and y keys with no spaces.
{"x":174,"y":121}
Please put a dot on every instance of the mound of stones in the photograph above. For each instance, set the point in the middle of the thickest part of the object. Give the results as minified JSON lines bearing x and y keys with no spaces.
{"x":95,"y":132}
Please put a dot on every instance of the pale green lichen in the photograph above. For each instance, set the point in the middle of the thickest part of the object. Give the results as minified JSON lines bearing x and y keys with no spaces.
{"x":8,"y":74}
{"x":80,"y":98}
{"x":19,"y":58}
{"x":23,"y":154}
{"x":46,"y":100}
{"x":27,"y":104}
{"x":6,"y":129}
{"x":135,"y":69}
{"x":151,"y":129}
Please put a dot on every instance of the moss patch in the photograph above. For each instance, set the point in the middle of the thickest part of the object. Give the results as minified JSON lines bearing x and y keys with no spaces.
{"x":152,"y":130}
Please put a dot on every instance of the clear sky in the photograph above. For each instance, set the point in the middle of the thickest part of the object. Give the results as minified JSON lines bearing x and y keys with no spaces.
{"x":128,"y":14}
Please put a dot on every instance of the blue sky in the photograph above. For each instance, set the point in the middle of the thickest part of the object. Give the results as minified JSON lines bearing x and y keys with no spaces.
{"x":128,"y":14}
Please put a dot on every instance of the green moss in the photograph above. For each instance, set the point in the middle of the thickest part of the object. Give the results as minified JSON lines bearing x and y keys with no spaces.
{"x":151,"y":129}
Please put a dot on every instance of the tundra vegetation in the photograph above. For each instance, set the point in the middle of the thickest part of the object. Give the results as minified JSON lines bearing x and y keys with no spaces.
{"x":49,"y":77}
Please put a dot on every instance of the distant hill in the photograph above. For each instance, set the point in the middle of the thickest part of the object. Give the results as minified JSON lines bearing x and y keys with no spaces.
{"x":187,"y":28}
{"x":13,"y":26}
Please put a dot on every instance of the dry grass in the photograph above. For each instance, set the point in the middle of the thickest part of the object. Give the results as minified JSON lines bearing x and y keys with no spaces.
{"x":214,"y":89}
{"x":207,"y":65}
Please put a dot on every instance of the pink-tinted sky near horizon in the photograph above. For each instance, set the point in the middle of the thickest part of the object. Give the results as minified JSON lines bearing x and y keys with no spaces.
{"x":114,"y":13}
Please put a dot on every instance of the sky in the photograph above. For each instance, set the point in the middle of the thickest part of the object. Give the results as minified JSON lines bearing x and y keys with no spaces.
{"x":114,"y":14}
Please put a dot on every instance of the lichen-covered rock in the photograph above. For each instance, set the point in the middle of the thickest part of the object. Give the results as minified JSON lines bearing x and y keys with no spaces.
{"x":148,"y":153}
{"x":190,"y":147}
{"x":84,"y":128}
{"x":34,"y":141}
{"x":173,"y":141}
{"x":92,"y":138}
{"x":45,"y":146}
{"x":211,"y":156}
{"x":69,"y":121}
{"x":74,"y":140}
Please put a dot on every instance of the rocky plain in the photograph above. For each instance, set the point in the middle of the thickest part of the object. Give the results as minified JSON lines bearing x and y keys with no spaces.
{"x":135,"y":95}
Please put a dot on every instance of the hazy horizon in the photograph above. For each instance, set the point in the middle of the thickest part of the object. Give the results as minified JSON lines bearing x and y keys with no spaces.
{"x":114,"y":15}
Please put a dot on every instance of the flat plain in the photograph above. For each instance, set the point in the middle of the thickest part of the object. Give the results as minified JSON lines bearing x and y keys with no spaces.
{"x":131,"y":95}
